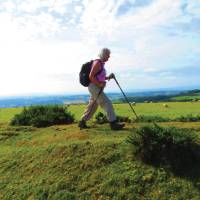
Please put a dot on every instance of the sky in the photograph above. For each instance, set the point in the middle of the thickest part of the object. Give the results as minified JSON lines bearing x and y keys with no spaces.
{"x":43,"y":43}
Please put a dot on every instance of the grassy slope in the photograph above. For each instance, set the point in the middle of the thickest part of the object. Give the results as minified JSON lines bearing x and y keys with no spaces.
{"x":62,"y":162}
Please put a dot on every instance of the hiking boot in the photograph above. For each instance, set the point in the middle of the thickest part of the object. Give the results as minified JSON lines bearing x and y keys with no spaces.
{"x":116,"y":126}
{"x":82,"y":124}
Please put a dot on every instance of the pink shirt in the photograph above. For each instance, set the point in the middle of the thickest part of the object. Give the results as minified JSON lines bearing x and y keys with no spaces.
{"x":101,"y":77}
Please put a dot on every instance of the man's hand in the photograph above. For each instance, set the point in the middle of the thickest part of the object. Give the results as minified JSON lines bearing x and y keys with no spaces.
{"x":111,"y":76}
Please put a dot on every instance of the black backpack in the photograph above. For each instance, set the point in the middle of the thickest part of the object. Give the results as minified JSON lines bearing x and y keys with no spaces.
{"x":84,"y":73}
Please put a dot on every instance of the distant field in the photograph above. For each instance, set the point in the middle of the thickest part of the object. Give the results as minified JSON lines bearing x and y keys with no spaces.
{"x":175,"y":109}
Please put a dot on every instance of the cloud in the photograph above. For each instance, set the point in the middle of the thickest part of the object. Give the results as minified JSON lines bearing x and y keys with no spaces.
{"x":8,"y":6}
{"x":98,"y":19}
{"x":193,"y":8}
{"x":29,"y":6}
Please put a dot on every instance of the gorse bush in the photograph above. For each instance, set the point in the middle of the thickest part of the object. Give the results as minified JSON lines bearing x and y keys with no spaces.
{"x":123,"y":119}
{"x":168,"y":146}
{"x":100,"y":118}
{"x":143,"y":118}
{"x":42,"y":116}
{"x":188,"y":118}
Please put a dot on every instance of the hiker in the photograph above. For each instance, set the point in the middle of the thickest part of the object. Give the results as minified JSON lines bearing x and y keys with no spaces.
{"x":97,"y":83}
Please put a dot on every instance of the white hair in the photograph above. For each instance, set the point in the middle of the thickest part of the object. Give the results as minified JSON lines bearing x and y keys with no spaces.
{"x":103,"y":52}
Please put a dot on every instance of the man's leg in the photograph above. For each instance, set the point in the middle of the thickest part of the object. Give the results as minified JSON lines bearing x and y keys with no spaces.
{"x":90,"y":110}
{"x":107,"y":106}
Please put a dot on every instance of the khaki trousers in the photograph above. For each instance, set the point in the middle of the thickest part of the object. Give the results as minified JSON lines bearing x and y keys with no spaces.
{"x":102,"y":100}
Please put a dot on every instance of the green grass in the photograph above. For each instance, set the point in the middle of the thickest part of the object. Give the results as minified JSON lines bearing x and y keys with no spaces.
{"x":175,"y":109}
{"x":62,"y":162}
{"x":6,"y":114}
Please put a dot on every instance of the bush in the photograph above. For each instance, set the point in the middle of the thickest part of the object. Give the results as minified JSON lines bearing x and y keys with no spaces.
{"x":101,"y":118}
{"x":169,"y":146}
{"x":143,"y":118}
{"x":123,"y":119}
{"x":188,"y":118}
{"x":42,"y":116}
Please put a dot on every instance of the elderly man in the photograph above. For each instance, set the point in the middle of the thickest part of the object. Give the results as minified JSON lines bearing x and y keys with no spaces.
{"x":97,"y":84}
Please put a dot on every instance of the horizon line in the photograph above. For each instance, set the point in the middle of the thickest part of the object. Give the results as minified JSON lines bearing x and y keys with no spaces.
{"x":27,"y":95}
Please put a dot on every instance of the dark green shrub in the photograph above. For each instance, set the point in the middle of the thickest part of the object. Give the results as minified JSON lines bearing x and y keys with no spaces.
{"x":123,"y":119}
{"x":42,"y":116}
{"x":143,"y":118}
{"x":188,"y":118}
{"x":22,"y":119}
{"x":165,"y":146}
{"x":101,"y":118}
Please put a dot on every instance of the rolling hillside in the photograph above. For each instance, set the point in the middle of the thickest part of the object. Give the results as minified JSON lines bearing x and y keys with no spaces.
{"x":62,"y":162}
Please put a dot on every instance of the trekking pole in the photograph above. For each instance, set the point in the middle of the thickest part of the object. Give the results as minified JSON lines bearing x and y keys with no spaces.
{"x":95,"y":102}
{"x":126,"y":98}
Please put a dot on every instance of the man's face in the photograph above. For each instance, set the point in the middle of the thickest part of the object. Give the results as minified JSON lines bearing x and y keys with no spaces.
{"x":107,"y":56}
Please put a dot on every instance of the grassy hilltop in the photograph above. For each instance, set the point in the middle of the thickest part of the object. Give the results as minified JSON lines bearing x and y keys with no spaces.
{"x":61,"y":162}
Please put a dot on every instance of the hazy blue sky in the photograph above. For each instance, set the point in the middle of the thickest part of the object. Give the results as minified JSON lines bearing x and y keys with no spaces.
{"x":43,"y":43}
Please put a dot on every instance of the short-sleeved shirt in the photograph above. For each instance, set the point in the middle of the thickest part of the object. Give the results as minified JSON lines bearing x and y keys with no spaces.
{"x":101,"y":77}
